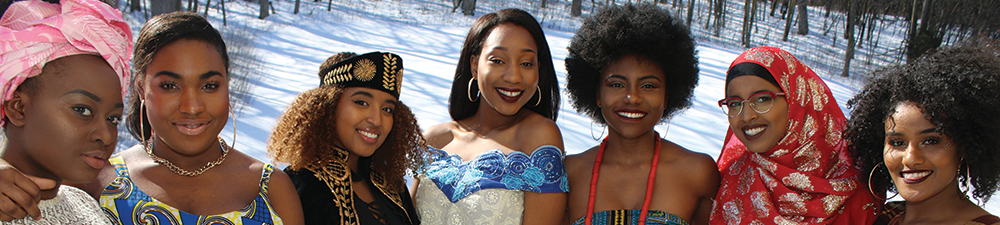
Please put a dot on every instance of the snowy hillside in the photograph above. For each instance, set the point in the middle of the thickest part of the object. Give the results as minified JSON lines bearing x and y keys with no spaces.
{"x":429,"y":36}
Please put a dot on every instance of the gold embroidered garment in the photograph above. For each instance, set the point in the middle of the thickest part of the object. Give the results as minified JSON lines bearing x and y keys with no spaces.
{"x":808,"y":177}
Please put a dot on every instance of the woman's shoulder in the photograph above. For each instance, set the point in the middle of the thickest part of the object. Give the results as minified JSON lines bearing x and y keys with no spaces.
{"x":536,"y":131}
{"x":699,"y":166}
{"x":440,"y":135}
{"x":581,"y":162}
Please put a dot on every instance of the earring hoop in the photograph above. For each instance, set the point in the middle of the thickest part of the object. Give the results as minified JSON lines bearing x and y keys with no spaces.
{"x":142,"y":124}
{"x":233,"y":117}
{"x":870,"y":183}
{"x":592,"y":131}
{"x":667,"y":130}
{"x":470,"y":91}
{"x":539,"y":90}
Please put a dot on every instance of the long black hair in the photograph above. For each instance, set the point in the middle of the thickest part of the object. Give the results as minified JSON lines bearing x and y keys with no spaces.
{"x":460,"y":107}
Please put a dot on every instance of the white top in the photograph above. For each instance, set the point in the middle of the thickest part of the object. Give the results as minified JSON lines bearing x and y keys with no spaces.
{"x":486,"y":206}
{"x":70,"y":206}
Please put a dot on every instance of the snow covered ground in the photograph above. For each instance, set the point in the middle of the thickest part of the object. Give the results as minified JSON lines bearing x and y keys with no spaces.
{"x":429,"y":36}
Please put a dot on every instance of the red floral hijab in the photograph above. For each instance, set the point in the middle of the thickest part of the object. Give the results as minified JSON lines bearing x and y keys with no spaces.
{"x":808,"y":177}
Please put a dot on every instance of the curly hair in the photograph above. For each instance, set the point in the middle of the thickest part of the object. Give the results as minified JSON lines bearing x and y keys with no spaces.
{"x":459,"y":105}
{"x":304,"y":134}
{"x":957,"y":89}
{"x":643,"y":30}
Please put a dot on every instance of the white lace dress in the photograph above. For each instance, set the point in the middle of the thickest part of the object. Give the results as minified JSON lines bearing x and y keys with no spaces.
{"x":488,"y":189}
{"x":70,"y":206}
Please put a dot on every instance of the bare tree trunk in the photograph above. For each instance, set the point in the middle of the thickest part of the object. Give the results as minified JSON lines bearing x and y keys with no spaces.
{"x":193,"y":5}
{"x":803,"y":18}
{"x":297,"y":2}
{"x":788,"y":20}
{"x":747,"y":20}
{"x":924,"y":20}
{"x":469,"y":7}
{"x":913,"y":21}
{"x":543,"y":3}
{"x":690,"y":15}
{"x":575,"y":8}
{"x":720,"y":14}
{"x":849,"y":32}
{"x":135,"y":5}
{"x":263,"y":9}
{"x":329,"y":6}
{"x":164,"y":6}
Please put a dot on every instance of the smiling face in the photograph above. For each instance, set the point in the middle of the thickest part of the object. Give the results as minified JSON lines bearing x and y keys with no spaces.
{"x":507,"y":68}
{"x":186,"y":92}
{"x":758,"y":131}
{"x":922,"y":162}
{"x":363,"y":119}
{"x":631,"y":96}
{"x":69,"y":124}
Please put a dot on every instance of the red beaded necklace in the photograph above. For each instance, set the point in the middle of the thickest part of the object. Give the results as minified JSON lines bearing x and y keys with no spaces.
{"x":649,"y":183}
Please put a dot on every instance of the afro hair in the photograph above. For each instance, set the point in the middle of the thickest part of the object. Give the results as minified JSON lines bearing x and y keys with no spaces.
{"x":643,"y":30}
{"x":958,"y":90}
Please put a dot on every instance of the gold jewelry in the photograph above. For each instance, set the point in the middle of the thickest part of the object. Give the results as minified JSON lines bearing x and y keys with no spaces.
{"x":469,"y":90}
{"x":539,"y":95}
{"x":179,"y":171}
{"x":870,"y":183}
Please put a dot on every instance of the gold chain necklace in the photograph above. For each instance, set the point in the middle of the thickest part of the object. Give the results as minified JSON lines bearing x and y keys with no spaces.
{"x":177,"y":170}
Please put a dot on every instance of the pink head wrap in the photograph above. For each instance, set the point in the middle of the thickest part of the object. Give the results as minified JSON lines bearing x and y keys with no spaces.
{"x":34,"y":32}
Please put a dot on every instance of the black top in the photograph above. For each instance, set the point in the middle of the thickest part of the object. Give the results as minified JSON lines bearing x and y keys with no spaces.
{"x":318,"y":206}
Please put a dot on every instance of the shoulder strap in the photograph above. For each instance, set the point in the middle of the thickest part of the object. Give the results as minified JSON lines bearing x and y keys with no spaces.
{"x":987,"y":219}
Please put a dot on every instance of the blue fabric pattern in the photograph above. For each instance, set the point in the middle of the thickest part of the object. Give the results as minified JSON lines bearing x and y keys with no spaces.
{"x":543,"y":172}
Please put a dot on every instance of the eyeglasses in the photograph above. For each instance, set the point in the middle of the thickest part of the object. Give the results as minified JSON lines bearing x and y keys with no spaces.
{"x":761,"y":102}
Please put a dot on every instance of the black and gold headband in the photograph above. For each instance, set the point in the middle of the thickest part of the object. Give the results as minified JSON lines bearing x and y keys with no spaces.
{"x":376,"y":70}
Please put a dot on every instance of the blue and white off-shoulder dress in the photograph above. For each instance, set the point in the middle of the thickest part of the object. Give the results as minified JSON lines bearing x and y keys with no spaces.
{"x":488,"y":189}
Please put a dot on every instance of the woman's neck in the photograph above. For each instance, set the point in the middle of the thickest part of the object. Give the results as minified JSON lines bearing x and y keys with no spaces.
{"x":187,"y":162}
{"x":945,"y":206}
{"x":487,"y":119}
{"x":630,"y":149}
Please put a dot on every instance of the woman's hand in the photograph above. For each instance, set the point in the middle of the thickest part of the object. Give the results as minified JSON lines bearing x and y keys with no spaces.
{"x":19,"y":193}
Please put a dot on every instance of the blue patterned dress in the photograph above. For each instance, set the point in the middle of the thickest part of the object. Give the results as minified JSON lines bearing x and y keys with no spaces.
{"x":124,"y":203}
{"x":488,"y":189}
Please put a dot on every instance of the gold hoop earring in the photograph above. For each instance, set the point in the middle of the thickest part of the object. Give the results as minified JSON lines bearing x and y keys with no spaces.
{"x":142,"y":124}
{"x":592,"y":131}
{"x":539,"y":95}
{"x":233,"y":116}
{"x":469,"y":90}
{"x":870,"y":183}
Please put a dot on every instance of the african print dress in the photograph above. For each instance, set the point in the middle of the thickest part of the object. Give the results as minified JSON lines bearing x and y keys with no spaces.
{"x":808,"y":176}
{"x":488,"y":189}
{"x":124,"y":203}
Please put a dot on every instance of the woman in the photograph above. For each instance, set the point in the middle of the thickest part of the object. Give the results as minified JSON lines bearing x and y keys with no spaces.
{"x":349,"y":142}
{"x":616,"y":75}
{"x":500,"y":160}
{"x":929,"y":131}
{"x":784,"y":160}
{"x":62,"y":100}
{"x":183,"y":173}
